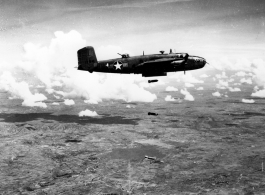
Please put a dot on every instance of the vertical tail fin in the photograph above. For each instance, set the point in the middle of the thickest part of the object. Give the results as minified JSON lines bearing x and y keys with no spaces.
{"x":87,"y":59}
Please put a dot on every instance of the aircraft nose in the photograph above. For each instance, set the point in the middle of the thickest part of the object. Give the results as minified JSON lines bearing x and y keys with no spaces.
{"x":202,"y":63}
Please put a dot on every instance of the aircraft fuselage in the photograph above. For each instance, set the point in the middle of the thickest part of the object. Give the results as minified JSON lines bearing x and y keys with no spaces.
{"x":147,"y":65}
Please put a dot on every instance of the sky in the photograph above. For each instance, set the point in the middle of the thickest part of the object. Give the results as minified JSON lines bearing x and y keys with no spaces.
{"x":202,"y":27}
{"x":40,"y":38}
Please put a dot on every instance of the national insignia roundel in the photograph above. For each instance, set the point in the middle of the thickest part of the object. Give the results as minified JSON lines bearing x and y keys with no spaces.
{"x":117,"y":65}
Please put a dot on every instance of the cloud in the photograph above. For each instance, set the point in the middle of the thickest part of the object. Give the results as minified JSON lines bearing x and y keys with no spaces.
{"x":57,"y":97}
{"x":240,"y":74}
{"x":200,"y":88}
{"x":189,"y":85}
{"x":259,"y":93}
{"x":256,"y":88}
{"x":87,"y":113}
{"x":188,"y":96}
{"x":40,"y":86}
{"x":258,"y":71}
{"x":91,"y":101}
{"x":231,"y":80}
{"x":222,"y":84}
{"x":55,"y":103}
{"x":69,"y":102}
{"x":248,"y":101}
{"x":109,"y":86}
{"x":169,"y":88}
{"x":21,"y":90}
{"x":248,"y":81}
{"x":47,"y":63}
{"x":229,"y":64}
{"x":187,"y":78}
{"x":49,"y":90}
{"x":169,"y":98}
{"x":221,"y":76}
{"x":204,"y":76}
{"x":234,"y":89}
{"x":216,"y":94}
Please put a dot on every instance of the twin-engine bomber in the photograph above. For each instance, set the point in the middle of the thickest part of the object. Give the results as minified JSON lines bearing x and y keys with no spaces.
{"x":147,"y":65}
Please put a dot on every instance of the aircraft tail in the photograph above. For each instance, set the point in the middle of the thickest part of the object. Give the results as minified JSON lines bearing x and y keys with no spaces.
{"x":87,"y":59}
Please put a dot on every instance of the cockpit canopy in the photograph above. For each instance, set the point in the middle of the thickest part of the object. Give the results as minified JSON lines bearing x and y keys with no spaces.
{"x":182,"y":55}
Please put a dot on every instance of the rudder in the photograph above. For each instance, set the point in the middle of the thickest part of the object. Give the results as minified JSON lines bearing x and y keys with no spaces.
{"x":87,"y":59}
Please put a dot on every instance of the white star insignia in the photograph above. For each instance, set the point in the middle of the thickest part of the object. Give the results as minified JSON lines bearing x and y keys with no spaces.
{"x":107,"y":64}
{"x":118,"y":65}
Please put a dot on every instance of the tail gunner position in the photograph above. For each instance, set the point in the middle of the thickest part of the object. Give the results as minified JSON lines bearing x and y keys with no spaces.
{"x":147,"y":65}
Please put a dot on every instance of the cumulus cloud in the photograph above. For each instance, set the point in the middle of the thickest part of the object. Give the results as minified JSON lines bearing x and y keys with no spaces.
{"x":169,"y":98}
{"x":87,"y":113}
{"x":248,"y":101}
{"x":189,"y":85}
{"x":187,"y":94}
{"x":259,"y":93}
{"x":91,"y":101}
{"x":200,"y":88}
{"x":256,"y":88}
{"x":55,"y":103}
{"x":170,"y":88}
{"x":240,"y":74}
{"x":54,"y":65}
{"x":69,"y":102}
{"x":204,"y":76}
{"x":221,"y":76}
{"x":188,"y":78}
{"x":234,"y":89}
{"x":231,"y":80}
{"x":216,"y":94}
{"x":57,"y":97}
{"x":21,"y":90}
{"x":40,"y":86}
{"x":258,"y":71}
{"x":225,"y":63}
{"x":49,"y":90}
{"x":222,"y":84}
{"x":244,"y":80}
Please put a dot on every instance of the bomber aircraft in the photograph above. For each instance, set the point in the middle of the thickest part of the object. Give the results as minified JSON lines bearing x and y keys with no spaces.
{"x":147,"y":65}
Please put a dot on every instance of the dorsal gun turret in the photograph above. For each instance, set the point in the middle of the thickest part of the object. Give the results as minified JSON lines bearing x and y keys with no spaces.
{"x":124,"y":55}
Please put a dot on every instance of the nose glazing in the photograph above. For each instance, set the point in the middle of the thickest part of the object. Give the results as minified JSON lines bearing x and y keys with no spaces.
{"x":203,"y":62}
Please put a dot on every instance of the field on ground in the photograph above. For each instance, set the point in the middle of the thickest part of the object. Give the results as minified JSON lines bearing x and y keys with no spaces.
{"x":209,"y":146}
